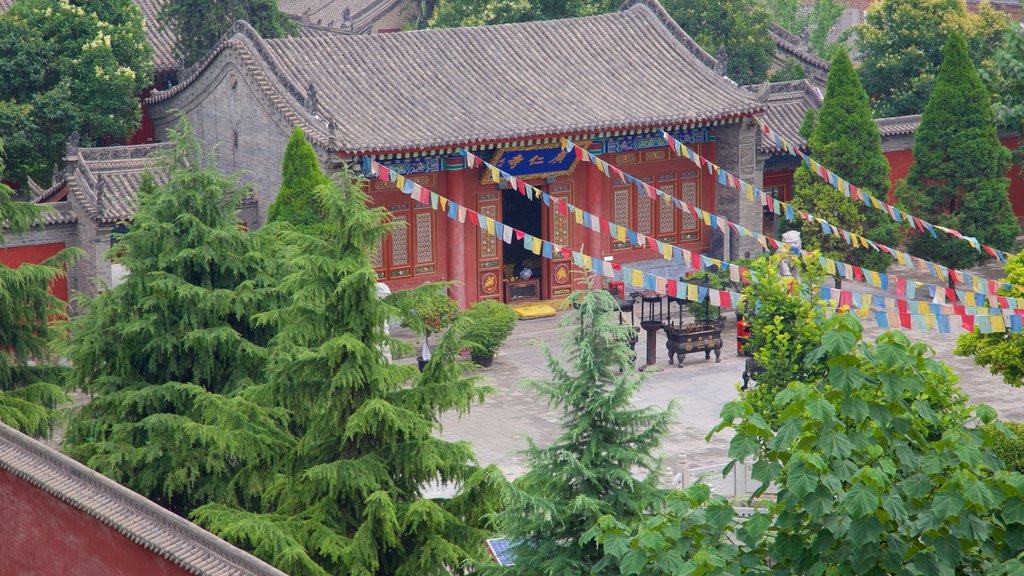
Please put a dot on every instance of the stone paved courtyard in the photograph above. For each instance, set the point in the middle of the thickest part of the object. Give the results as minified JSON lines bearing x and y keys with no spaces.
{"x":497,"y":428}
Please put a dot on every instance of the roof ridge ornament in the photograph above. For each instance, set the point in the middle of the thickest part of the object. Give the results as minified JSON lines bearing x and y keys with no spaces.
{"x":312,"y":99}
{"x":722,"y":61}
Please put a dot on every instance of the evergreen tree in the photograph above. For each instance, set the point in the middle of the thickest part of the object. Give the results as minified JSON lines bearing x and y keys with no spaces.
{"x":28,"y":393}
{"x":957,"y":178}
{"x":348,"y":497}
{"x":199,"y":24}
{"x":172,"y":355}
{"x":297,"y":203}
{"x":589,"y":470}
{"x":847,"y":141}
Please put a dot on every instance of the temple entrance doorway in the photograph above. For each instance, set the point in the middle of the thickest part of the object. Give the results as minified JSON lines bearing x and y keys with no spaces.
{"x":523,"y":270}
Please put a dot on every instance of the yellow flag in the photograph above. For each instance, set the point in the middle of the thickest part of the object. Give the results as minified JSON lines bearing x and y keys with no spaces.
{"x":692,"y":293}
{"x":620,"y":234}
{"x":998,"y":325}
{"x":969,"y":299}
{"x":707,"y":218}
{"x":537,"y":243}
{"x":490,"y":226}
{"x":638,"y":278}
{"x":830,"y":266}
{"x":579,"y":216}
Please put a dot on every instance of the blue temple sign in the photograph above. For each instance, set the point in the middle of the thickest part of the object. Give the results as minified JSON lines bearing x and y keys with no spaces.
{"x":533,"y":162}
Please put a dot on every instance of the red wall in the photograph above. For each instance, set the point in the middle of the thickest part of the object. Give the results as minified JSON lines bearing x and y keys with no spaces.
{"x":900,"y":162}
{"x":43,"y":535}
{"x":14,"y":257}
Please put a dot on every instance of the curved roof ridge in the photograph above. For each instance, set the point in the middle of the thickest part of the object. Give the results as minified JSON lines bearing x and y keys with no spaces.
{"x":243,"y":34}
{"x":791,"y":44}
{"x":138,"y":519}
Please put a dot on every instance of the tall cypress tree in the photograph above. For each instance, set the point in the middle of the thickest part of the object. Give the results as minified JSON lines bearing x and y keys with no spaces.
{"x":589,"y":470}
{"x":847,"y":141}
{"x":296,"y":202}
{"x":172,"y":356}
{"x":348,"y":498}
{"x":29,"y":390}
{"x":957,"y":178}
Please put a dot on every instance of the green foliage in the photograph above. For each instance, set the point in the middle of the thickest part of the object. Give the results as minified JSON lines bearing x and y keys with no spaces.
{"x":589,"y":470}
{"x":172,"y":356}
{"x":957,"y":176}
{"x":1010,"y":449}
{"x":1002,"y":353}
{"x":900,"y":46}
{"x":822,"y":17}
{"x":783,"y":329}
{"x":296,"y":202}
{"x":793,"y":70}
{"x":809,"y":124}
{"x":741,"y":26}
{"x":879,"y":468}
{"x":847,"y":141}
{"x":199,"y":24}
{"x":703,"y":311}
{"x":68,"y":67}
{"x":29,"y":394}
{"x":490,"y":323}
{"x":457,"y":13}
{"x":346,"y":497}
{"x":1006,"y":82}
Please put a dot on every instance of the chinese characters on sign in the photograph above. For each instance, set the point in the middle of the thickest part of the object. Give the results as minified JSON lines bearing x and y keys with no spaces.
{"x":537,"y":161}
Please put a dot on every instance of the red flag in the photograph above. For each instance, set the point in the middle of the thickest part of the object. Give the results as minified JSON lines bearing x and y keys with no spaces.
{"x":901,"y":287}
{"x":726,"y":299}
{"x":695,"y":260}
{"x":473,"y":217}
{"x":383,"y":172}
{"x":905,"y":321}
{"x":567,"y":252}
{"x":672,"y":288}
{"x":901,"y":305}
{"x":858,"y":273}
{"x":951,"y":294}
{"x":519,"y":234}
{"x":968,"y":323}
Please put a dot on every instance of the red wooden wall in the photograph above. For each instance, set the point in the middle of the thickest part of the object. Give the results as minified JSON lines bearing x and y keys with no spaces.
{"x":14,"y":257}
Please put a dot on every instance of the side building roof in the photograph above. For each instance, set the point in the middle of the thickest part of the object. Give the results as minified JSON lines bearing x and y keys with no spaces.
{"x":347,"y":16}
{"x":438,"y":89}
{"x":786,"y":104}
{"x":104,"y":181}
{"x":789,"y":45}
{"x":137,"y":518}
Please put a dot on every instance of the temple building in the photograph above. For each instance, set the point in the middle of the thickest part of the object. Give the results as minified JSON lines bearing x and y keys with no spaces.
{"x":509,"y":93}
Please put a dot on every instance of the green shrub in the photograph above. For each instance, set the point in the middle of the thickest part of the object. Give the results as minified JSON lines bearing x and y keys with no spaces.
{"x":1011,"y":450}
{"x":490,"y":324}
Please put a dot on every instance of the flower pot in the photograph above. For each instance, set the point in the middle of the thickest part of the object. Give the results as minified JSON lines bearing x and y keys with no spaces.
{"x":484,"y":361}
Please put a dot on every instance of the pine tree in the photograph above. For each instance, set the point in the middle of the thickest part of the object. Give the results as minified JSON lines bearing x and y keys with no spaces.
{"x":172,"y":355}
{"x":347,"y":499}
{"x":29,"y":393}
{"x":589,"y":470}
{"x":301,"y":175}
{"x":957,"y":178}
{"x":846,"y":141}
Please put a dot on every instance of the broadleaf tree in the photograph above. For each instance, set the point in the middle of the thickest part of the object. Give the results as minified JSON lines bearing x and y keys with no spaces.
{"x":30,"y":383}
{"x":68,"y":67}
{"x":879,"y":467}
{"x":348,"y":497}
{"x":901,"y":46}
{"x":199,"y":24}
{"x":458,"y":13}
{"x":172,"y":357}
{"x":846,"y":140}
{"x":589,"y":470}
{"x":1001,"y":352}
{"x":1006,"y":82}
{"x":957,"y":179}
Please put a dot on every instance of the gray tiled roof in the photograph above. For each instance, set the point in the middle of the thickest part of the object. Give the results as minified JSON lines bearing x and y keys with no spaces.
{"x":788,"y":45}
{"x":437,"y":89}
{"x":137,"y":518}
{"x":162,"y":40}
{"x":104,"y":181}
{"x":331,"y":13}
{"x":786,"y":104}
{"x":898,"y":126}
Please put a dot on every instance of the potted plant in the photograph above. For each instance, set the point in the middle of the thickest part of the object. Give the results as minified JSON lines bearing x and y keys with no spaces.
{"x":432,"y":314}
{"x":489,"y":324}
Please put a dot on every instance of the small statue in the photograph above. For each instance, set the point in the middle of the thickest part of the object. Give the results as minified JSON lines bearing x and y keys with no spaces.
{"x":722,"y":67}
{"x":791,"y":239}
{"x":312,"y":99}
{"x":71,"y":144}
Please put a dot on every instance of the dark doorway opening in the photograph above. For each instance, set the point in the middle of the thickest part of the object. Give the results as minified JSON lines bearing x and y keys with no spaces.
{"x":523,"y":269}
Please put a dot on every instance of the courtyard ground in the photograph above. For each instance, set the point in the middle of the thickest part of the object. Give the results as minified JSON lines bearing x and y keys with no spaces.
{"x":498,"y":428}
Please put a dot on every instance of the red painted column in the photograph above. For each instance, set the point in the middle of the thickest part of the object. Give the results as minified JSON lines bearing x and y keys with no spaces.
{"x":455,"y":189}
{"x":598,"y":188}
